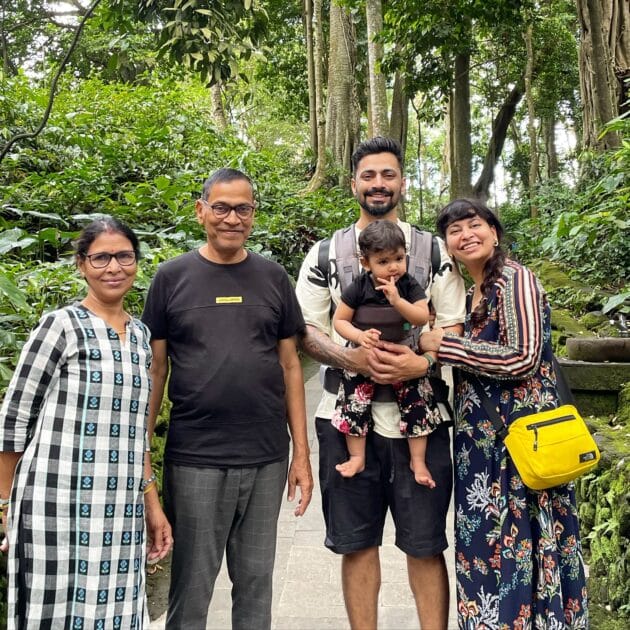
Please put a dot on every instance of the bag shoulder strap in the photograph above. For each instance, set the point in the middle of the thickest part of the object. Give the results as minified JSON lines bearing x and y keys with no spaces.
{"x":565,"y":395}
{"x":499,"y":427}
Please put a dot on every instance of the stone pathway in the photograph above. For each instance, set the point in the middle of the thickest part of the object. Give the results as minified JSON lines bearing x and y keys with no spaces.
{"x":307,"y":577}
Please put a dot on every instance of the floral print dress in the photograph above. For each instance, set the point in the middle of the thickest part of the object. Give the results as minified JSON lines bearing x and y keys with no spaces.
{"x":519,"y":559}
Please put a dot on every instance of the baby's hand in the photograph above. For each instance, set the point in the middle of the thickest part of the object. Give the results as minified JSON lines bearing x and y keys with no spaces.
{"x":389,"y":288}
{"x":368,"y":338}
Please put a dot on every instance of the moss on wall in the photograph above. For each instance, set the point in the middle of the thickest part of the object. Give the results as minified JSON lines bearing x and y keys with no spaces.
{"x":604,"y":507}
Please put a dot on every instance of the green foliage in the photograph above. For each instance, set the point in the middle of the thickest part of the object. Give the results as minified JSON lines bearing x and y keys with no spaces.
{"x":435,"y":33}
{"x":281,"y":69}
{"x":605,"y":520}
{"x":140,"y":152}
{"x":289,"y":225}
{"x":619,"y":302}
{"x":556,"y":74}
{"x":27,"y":21}
{"x":609,"y":533}
{"x":585,"y":230}
{"x":208,"y":37}
{"x":117,"y":46}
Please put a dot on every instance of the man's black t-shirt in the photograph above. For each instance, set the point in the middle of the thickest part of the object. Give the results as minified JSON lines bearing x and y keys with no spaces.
{"x":222,"y":324}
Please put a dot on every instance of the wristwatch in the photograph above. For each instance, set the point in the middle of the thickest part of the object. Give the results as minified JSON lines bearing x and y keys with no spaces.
{"x":431,"y":361}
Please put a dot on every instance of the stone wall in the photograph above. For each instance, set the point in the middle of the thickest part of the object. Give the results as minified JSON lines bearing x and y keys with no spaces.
{"x":604,"y":504}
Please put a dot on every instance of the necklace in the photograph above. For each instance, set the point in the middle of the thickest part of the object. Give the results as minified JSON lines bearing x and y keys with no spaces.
{"x":121,"y":332}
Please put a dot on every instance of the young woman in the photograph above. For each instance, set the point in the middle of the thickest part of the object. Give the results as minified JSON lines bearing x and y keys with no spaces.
{"x":518,"y":554}
{"x":75,"y":474}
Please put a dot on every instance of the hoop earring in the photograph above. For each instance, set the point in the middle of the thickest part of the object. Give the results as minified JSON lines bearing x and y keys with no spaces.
{"x":496,"y":243}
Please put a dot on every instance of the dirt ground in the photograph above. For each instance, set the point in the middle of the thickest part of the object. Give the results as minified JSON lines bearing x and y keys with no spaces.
{"x":157,"y":587}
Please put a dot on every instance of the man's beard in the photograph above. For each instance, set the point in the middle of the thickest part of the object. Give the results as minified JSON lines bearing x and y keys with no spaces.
{"x":378,"y":210}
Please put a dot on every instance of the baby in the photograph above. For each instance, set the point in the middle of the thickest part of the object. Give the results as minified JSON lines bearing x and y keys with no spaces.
{"x":385,"y":290}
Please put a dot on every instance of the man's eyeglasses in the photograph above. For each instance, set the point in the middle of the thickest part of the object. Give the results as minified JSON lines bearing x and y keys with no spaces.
{"x":102,"y":259}
{"x":221,"y":210}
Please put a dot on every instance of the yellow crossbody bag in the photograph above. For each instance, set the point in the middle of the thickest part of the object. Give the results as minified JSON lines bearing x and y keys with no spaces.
{"x":548,"y":448}
{"x":551,"y":448}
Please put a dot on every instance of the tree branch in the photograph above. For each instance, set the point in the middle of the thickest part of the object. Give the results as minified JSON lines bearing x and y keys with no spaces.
{"x":53,"y":87}
{"x":499,"y":131}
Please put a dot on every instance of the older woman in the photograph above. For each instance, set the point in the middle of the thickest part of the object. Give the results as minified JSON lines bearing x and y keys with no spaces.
{"x":519,"y":559}
{"x":75,"y":472}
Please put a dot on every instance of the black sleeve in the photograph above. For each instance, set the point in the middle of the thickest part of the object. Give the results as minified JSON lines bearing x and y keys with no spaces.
{"x":414,"y":291}
{"x":154,"y":313}
{"x":352,"y":296}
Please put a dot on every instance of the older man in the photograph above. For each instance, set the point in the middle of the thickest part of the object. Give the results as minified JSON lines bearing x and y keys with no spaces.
{"x":226,"y":319}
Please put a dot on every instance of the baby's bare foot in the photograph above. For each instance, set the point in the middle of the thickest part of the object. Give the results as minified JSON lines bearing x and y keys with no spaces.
{"x":421,"y":474}
{"x":350,"y":468}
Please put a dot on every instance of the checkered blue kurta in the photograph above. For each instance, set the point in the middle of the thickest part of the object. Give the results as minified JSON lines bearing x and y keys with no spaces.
{"x":77,"y":407}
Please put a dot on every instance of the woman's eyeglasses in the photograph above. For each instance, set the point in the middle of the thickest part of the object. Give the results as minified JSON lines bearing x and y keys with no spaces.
{"x":102,"y":259}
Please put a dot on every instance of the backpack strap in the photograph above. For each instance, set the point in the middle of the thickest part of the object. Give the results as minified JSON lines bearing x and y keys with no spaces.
{"x":421,"y":265}
{"x":436,"y":257}
{"x":346,"y":255}
{"x":322,"y":258}
{"x":424,"y":256}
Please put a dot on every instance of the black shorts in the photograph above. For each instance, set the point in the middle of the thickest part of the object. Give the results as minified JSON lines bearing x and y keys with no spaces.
{"x":355,"y":508}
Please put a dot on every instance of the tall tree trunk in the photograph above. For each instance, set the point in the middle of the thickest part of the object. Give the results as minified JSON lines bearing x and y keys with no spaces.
{"x":218,"y":111}
{"x":449,"y":148}
{"x":318,"y":60}
{"x":368,"y":109}
{"x":378,"y":87}
{"x":500,"y":127}
{"x":549,"y":132}
{"x":398,"y":123}
{"x":399,"y":118}
{"x":421,"y":172}
{"x":461,"y":158}
{"x":619,"y":43}
{"x":307,"y":19}
{"x":598,"y":83}
{"x":342,"y":114}
{"x":521,"y":170}
{"x":531,"y":120}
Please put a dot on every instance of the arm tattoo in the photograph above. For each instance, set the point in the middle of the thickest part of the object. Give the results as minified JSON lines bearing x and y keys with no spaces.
{"x":322,"y":348}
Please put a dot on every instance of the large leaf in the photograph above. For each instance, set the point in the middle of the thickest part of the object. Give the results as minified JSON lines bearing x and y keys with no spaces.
{"x":14,"y":239}
{"x":615,"y":301}
{"x":14,"y":295}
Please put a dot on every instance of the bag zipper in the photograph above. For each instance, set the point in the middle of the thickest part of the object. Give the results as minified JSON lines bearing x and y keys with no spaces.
{"x":545,"y":423}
